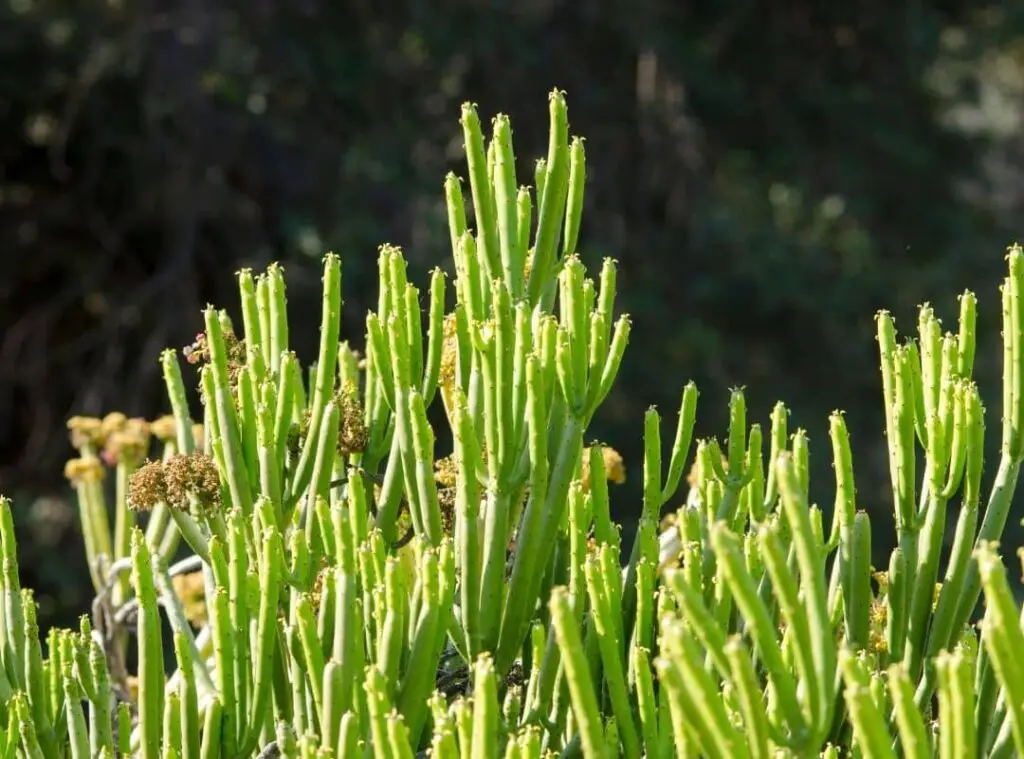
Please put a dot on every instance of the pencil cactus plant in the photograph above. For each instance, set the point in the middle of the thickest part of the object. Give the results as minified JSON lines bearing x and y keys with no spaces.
{"x":299,"y":571}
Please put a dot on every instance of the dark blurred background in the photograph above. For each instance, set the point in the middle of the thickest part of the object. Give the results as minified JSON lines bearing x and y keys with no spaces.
{"x":768,"y":175}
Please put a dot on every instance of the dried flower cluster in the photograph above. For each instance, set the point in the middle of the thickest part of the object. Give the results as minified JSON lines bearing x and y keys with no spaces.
{"x":182,"y":481}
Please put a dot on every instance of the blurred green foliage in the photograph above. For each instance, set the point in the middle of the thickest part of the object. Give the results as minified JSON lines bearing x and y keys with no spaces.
{"x":769,"y":175}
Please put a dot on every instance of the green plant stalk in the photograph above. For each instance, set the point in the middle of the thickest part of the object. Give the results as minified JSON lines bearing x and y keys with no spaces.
{"x":941,"y":633}
{"x":423,"y":473}
{"x":124,"y":522}
{"x":857,"y":595}
{"x":226,"y":644}
{"x":278,"y":316}
{"x":312,"y":652}
{"x":35,"y":674}
{"x":683,"y":734}
{"x":750,"y":698}
{"x":719,"y":737}
{"x":812,"y":572}
{"x":288,"y":381}
{"x":536,"y":543}
{"x":346,"y":641}
{"x":485,"y":710}
{"x":26,"y":728}
{"x":497,"y":504}
{"x":608,"y":637}
{"x":956,"y":700}
{"x":646,"y":700}
{"x":188,"y":714}
{"x":13,"y":613}
{"x":551,"y":200}
{"x":326,"y":367}
{"x":101,"y":735}
{"x":392,"y":629}
{"x":228,"y":431}
{"x":95,"y":525}
{"x":210,"y":747}
{"x":869,"y":725}
{"x":1003,"y":638}
{"x":266,"y":639}
{"x":184,"y":441}
{"x":467,"y":509}
{"x":379,"y":707}
{"x":264,"y":316}
{"x":761,"y":628}
{"x":151,"y":673}
{"x":941,"y":630}
{"x":481,"y":190}
{"x":252,"y":324}
{"x":512,"y":251}
{"x":455,"y":205}
{"x":427,"y":636}
{"x":924,"y":585}
{"x":180,"y":625}
{"x":700,"y":620}
{"x":248,"y":401}
{"x":319,"y":485}
{"x":656,"y":493}
{"x":574,"y":199}
{"x":912,"y":732}
{"x":238,"y":605}
{"x":795,"y":615}
{"x":172,"y":718}
{"x":581,"y":686}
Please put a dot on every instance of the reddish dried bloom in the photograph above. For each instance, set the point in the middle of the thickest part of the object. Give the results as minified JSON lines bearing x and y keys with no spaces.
{"x":198,"y":352}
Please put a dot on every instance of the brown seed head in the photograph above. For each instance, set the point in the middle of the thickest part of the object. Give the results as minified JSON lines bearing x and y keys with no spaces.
{"x":192,"y":480}
{"x":449,"y":353}
{"x":352,"y":432}
{"x":147,"y":487}
{"x":445,"y":474}
{"x":878,"y":616}
{"x":316,"y":593}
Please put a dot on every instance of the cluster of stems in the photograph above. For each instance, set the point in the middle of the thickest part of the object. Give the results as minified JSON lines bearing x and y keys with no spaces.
{"x":305,"y":575}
